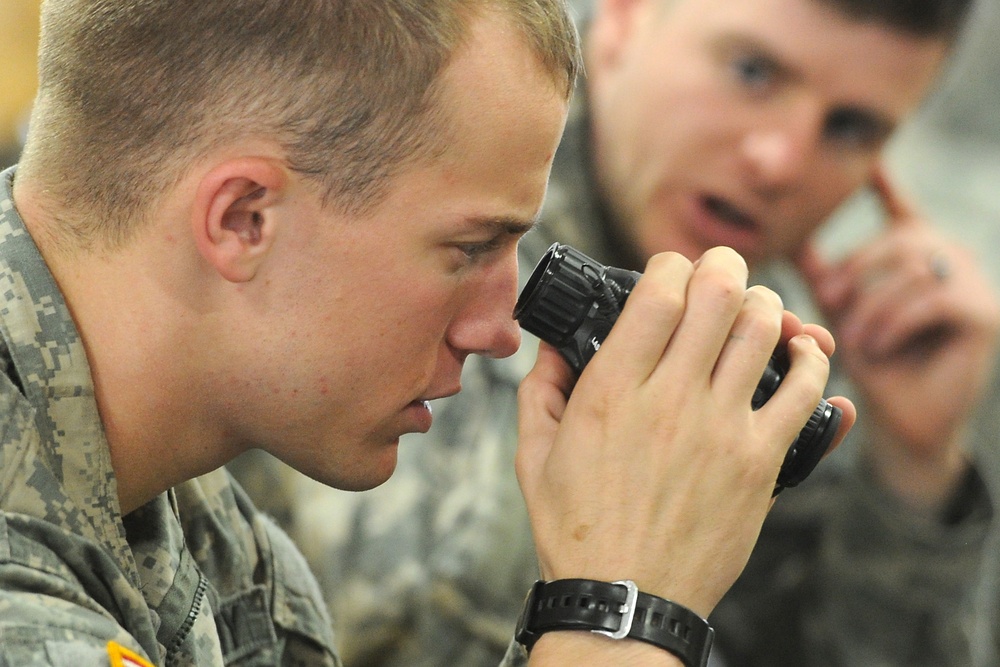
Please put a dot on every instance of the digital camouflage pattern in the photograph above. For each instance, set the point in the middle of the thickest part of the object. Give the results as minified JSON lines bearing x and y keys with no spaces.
{"x":432,"y":567}
{"x":195,"y":577}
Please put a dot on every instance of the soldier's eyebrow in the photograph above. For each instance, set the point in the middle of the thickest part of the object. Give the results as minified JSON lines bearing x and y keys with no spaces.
{"x":729,"y":44}
{"x":501,"y":225}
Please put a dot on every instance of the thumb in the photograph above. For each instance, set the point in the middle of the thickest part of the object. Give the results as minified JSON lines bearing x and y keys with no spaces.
{"x":542,"y":399}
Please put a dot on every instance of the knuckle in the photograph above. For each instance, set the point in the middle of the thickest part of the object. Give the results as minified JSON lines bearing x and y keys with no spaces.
{"x":818,"y":365}
{"x":726,"y":257}
{"x":767,"y":296}
{"x":724,"y":253}
{"x":815,"y":353}
{"x":526,"y":390}
{"x":667,"y":261}
{"x":670,"y":304}
{"x":664,"y":285}
{"x":764,"y":327}
{"x":720,"y":284}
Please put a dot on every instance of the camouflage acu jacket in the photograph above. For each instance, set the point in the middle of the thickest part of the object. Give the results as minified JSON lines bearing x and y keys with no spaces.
{"x":195,"y":577}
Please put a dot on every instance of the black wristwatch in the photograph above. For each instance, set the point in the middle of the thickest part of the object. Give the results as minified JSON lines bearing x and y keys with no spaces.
{"x":617,"y":610}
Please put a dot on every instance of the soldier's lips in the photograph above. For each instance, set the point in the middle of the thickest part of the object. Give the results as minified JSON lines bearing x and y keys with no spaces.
{"x":728,"y":213}
{"x":720,"y":222}
{"x":419,"y":416}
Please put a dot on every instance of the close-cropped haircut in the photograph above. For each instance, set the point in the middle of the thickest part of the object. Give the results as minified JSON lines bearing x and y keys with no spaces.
{"x":942,"y":19}
{"x":132,"y":92}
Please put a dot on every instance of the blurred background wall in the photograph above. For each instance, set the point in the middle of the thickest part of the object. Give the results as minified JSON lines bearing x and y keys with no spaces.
{"x":18,"y":39}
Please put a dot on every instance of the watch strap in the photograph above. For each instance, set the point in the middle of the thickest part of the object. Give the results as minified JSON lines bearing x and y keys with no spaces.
{"x":618,"y":610}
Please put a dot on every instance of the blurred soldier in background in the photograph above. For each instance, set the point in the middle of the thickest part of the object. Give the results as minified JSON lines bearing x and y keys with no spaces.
{"x":722,"y":122}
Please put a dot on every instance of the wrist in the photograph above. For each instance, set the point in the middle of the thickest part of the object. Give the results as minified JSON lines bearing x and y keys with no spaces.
{"x":923,"y":482}
{"x":617,"y":611}
{"x":583,"y":648}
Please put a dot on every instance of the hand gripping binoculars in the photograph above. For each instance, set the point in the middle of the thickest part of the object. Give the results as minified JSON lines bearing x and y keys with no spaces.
{"x":571,"y":301}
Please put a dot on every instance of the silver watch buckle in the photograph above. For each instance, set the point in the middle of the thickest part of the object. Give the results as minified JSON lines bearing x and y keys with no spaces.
{"x":627,"y":610}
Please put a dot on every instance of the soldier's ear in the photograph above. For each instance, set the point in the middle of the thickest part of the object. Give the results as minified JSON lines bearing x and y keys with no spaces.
{"x":234,"y":221}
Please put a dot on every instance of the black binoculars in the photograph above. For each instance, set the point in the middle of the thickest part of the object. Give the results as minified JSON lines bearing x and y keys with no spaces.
{"x":571,"y":301}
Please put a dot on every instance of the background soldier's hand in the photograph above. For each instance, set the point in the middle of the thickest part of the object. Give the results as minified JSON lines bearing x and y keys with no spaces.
{"x":916,"y":322}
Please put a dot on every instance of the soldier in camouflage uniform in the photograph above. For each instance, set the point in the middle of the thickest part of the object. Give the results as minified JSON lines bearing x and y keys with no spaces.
{"x":430,"y":569}
{"x":284,"y":225}
{"x":194,"y":577}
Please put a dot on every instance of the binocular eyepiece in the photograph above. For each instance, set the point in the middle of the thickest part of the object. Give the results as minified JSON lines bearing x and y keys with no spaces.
{"x":571,"y":301}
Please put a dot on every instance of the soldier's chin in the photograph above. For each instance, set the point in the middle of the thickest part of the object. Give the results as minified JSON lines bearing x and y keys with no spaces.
{"x":369,"y":474}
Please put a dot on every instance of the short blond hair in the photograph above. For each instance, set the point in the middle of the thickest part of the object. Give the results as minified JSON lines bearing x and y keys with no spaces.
{"x":131,"y":91}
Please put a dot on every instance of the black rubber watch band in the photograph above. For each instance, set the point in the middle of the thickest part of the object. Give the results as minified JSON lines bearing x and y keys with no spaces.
{"x":617,"y":610}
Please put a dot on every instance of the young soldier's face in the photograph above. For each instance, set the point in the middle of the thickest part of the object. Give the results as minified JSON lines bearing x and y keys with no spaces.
{"x":381,"y":310}
{"x":742,"y":122}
